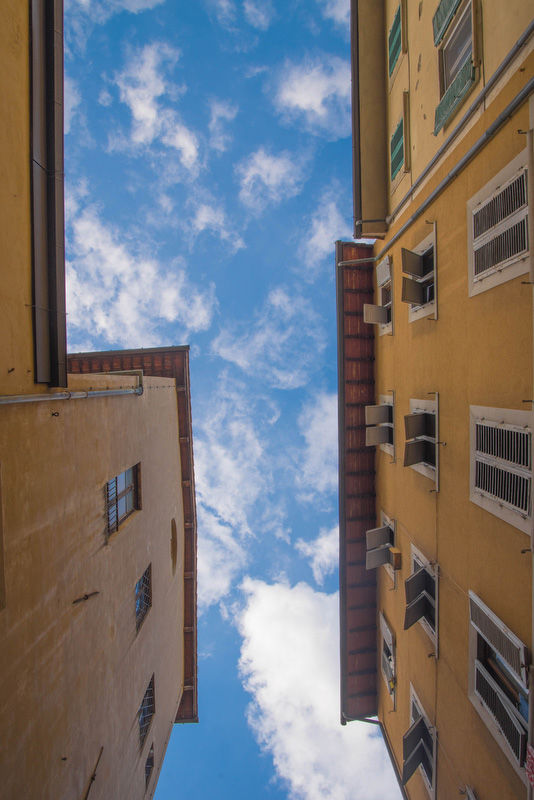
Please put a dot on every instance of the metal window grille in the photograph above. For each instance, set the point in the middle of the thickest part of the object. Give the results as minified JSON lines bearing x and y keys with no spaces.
{"x":505,"y":442}
{"x":502,"y":712}
{"x":506,"y":202}
{"x":499,"y":637}
{"x":397,"y":149}
{"x":146,"y":711}
{"x":394,"y":41}
{"x":149,"y":765}
{"x":143,"y":596}
{"x":511,"y":243}
{"x":122,"y":497}
{"x":510,"y":487}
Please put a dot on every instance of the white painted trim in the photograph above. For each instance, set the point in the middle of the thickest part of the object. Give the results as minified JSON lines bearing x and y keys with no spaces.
{"x":386,"y":263}
{"x":428,"y":309}
{"x":388,"y":636}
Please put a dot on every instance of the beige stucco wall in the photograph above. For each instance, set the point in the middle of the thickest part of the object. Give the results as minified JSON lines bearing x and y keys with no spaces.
{"x":72,"y":677}
{"x":478,"y":352}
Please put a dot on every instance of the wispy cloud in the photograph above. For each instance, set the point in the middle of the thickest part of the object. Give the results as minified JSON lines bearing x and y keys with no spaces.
{"x":234,"y":485}
{"x":325,"y":225}
{"x":317,"y":473}
{"x":124,"y":295}
{"x":266,"y":178}
{"x":101,"y":10}
{"x":225,"y":11}
{"x":280,"y":345}
{"x":142,"y":84}
{"x":211,"y":217}
{"x":322,"y":553}
{"x":316,"y":93}
{"x":221,"y":112}
{"x":289,"y":664}
{"x":72,"y":101}
{"x":259,"y":13}
{"x":336,"y":10}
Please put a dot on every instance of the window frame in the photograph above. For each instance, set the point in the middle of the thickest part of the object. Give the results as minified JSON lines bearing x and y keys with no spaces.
{"x":507,"y":418}
{"x":387,"y":637}
{"x":475,"y":634}
{"x":392,"y":564}
{"x":145,"y":594}
{"x":387,"y":401}
{"x":372,"y":313}
{"x":430,"y":308}
{"x":405,"y":165}
{"x":114,"y":519}
{"x":453,"y":95}
{"x":425,"y":468}
{"x":514,"y":266}
{"x":417,"y":559}
{"x":149,"y":766}
{"x":431,"y":729}
{"x":148,"y":701}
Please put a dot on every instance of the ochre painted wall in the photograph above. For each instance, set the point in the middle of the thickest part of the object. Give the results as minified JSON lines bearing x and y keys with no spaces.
{"x":72,"y":677}
{"x":478,"y":352}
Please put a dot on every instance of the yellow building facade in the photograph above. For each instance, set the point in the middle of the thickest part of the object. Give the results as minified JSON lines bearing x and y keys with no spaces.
{"x":443,"y":115}
{"x":97,"y":492}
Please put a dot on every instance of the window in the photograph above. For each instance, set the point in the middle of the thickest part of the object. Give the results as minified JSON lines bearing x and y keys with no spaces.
{"x":501,"y":466}
{"x":498,"y":668}
{"x":454,"y":31}
{"x":399,"y":145}
{"x":149,"y":765}
{"x":143,"y":596}
{"x":380,"y":546}
{"x":394,"y":41}
{"x":382,"y":314}
{"x":387,"y":657}
{"x":419,"y":289}
{"x":146,"y":711}
{"x":421,"y":428}
{"x":122,"y":497}
{"x":497,"y":228}
{"x":380,"y":424}
{"x":419,"y":745}
{"x":422,"y":596}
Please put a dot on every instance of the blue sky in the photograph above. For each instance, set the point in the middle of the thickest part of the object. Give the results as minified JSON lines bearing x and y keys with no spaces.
{"x":208,"y":174}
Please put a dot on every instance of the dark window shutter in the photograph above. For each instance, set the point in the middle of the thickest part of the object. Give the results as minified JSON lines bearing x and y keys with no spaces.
{"x":397,"y":149}
{"x":412,"y":263}
{"x":442,"y":18}
{"x":394,"y":41}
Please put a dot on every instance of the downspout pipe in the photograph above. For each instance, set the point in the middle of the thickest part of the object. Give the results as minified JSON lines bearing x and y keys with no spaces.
{"x":12,"y":399}
{"x":530,"y":157}
{"x":473,"y":151}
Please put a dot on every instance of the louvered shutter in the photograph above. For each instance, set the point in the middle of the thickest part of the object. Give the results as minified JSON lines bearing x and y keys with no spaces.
{"x":419,"y":424}
{"x":378,"y":536}
{"x":412,"y":292}
{"x":375,"y":315}
{"x":441,"y":19}
{"x":378,"y":435}
{"x":417,"y":744}
{"x":383,"y":271}
{"x":454,"y":95}
{"x":394,"y":41}
{"x":374,"y":415}
{"x":397,"y":149}
{"x":412,"y":263}
{"x":502,"y":640}
{"x":500,"y":708}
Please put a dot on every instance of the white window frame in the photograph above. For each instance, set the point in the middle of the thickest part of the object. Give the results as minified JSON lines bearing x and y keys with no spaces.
{"x":391,"y":523}
{"x":417,"y":557}
{"x":478,"y":704}
{"x":432,"y":407}
{"x":429,"y":309}
{"x":387,"y":636}
{"x":506,"y":417}
{"x":515,"y":266}
{"x":430,"y":787}
{"x":384,"y":276}
{"x":463,"y":11}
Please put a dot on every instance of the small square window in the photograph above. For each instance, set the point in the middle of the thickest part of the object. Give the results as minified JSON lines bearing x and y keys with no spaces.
{"x":143,"y":596}
{"x":419,"y":746}
{"x":146,"y":711}
{"x":149,"y":765}
{"x":421,"y":451}
{"x":419,"y":289}
{"x":422,"y":596}
{"x":382,"y":314}
{"x":122,"y":497}
{"x":380,"y":422}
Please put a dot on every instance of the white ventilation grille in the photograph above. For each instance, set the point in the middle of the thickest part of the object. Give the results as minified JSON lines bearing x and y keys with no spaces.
{"x":503,"y":464}
{"x":500,"y":228}
{"x":509,"y":647}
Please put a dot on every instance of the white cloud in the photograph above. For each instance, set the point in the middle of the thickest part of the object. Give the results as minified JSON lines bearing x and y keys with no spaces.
{"x":280,"y":345}
{"x":101,"y":10}
{"x":233,"y":485}
{"x":269,"y":179}
{"x":290,"y":665}
{"x":317,"y":472}
{"x":143,"y":84}
{"x":326,"y":225}
{"x":105,"y":98}
{"x":72,"y":101}
{"x":124,"y":296}
{"x":221,"y":112}
{"x":322,"y":553}
{"x":259,"y":13}
{"x":225,"y":11}
{"x":336,"y":10}
{"x":210,"y":217}
{"x":316,"y":93}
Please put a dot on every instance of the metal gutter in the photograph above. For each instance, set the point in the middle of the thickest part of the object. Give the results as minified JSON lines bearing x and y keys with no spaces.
{"x":473,"y":151}
{"x":355,"y":85}
{"x":523,"y":39}
{"x":13,"y":399}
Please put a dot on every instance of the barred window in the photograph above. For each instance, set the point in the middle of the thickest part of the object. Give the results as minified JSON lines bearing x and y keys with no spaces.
{"x":149,"y":765}
{"x":146,"y":711}
{"x":143,"y":596}
{"x":122,"y":494}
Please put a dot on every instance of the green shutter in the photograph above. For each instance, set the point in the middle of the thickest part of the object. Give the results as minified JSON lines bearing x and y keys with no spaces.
{"x":442,"y":17}
{"x":454,"y":94}
{"x":394,"y":41}
{"x":397,"y":149}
